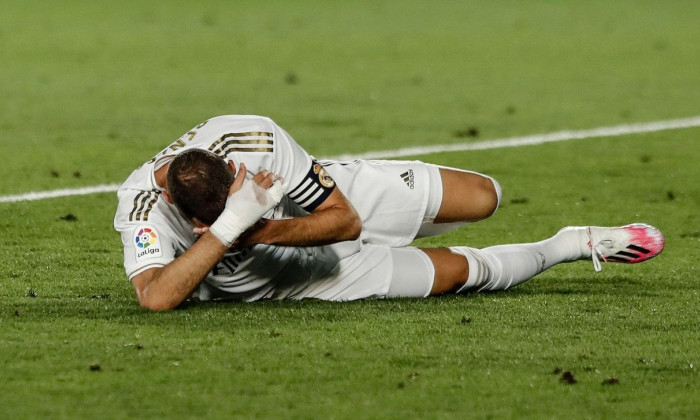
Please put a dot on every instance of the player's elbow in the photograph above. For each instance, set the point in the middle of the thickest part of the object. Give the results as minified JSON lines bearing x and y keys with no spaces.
{"x":151,"y":293}
{"x":355,"y":229}
{"x":156,"y":303}
{"x":156,"y":306}
{"x":352,"y":226}
{"x":344,"y":225}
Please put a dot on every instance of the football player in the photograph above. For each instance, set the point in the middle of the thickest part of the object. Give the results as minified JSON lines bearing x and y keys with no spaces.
{"x":236,"y":209}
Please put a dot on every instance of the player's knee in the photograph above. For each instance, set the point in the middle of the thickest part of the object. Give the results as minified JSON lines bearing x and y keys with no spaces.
{"x":467,"y":196}
{"x":489,"y":196}
{"x":496,"y":194}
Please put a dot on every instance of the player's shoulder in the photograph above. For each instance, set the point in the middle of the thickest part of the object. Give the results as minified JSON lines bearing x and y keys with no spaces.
{"x":243,"y":122}
{"x":137,"y":206}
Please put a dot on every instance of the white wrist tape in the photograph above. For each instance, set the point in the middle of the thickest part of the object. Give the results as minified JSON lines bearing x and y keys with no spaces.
{"x":243,"y":208}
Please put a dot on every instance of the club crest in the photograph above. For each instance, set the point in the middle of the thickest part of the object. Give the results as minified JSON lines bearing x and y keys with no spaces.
{"x":323,"y":176}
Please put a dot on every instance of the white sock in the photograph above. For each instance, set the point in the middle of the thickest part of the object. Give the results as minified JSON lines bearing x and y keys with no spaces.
{"x":503,"y":266}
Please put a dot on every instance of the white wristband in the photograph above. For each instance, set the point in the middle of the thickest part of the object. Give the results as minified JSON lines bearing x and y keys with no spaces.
{"x":243,"y":208}
{"x":228,"y":227}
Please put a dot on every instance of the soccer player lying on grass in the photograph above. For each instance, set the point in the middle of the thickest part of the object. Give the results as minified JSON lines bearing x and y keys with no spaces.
{"x":236,"y":209}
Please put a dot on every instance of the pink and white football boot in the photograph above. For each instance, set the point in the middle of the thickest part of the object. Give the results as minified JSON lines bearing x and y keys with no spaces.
{"x":629,"y":244}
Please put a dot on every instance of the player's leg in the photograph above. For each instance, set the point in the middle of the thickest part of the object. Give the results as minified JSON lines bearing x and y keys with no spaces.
{"x":412,"y":273}
{"x":437,"y":271}
{"x":467,"y":196}
{"x":457,"y":197}
{"x":451,"y":270}
{"x":463,"y":269}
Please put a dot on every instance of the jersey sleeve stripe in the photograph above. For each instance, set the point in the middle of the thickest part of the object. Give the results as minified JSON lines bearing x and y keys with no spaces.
{"x":143,"y":204}
{"x":139,"y":203}
{"x":136,"y":200}
{"x":151,"y":203}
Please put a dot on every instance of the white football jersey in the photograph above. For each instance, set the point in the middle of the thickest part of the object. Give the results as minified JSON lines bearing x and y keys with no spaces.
{"x":389,"y":196}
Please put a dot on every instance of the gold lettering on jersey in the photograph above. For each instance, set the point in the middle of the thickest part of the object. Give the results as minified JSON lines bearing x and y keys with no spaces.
{"x":179,"y":143}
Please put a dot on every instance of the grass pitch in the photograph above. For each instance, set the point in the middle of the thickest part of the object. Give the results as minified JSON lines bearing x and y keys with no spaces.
{"x":93,"y":89}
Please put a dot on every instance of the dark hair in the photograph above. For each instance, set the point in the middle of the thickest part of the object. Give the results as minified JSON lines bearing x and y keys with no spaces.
{"x":198,"y":181}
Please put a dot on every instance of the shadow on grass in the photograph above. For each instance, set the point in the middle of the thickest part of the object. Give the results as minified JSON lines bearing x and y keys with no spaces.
{"x":121,"y":308}
{"x":616,"y":286}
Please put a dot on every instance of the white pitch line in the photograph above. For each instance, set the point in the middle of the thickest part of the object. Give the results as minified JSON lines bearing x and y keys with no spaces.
{"x":31,"y":196}
{"x":534,"y":139}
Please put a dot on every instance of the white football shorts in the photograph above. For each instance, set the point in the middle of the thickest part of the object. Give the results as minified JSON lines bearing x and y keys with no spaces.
{"x":393,"y":198}
{"x":376,"y":271}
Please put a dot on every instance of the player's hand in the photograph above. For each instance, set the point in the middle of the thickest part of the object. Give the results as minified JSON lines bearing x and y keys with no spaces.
{"x":265,"y":179}
{"x":246,"y":204}
{"x":247,"y":238}
{"x":235,"y":186}
{"x":238,"y":180}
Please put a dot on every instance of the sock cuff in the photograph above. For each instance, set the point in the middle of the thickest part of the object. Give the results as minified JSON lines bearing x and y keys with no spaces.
{"x":477,"y":274}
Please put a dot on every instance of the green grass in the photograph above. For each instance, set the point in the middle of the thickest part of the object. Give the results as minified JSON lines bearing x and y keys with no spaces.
{"x":92,"y":89}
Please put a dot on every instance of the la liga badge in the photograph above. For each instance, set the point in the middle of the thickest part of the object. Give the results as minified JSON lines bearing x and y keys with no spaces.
{"x":147,"y":243}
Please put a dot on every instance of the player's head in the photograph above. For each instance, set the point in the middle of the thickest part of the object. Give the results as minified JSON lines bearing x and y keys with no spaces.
{"x":198,"y":183}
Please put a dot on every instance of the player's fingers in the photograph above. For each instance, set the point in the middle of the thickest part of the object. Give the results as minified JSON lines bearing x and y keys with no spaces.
{"x":269,"y":179}
{"x":265,"y":178}
{"x":238,"y":181}
{"x":260,"y":176}
{"x":200,"y":230}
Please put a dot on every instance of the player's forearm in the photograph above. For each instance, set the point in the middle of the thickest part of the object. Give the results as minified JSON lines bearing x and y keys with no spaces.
{"x":174,"y":283}
{"x":320,"y":228}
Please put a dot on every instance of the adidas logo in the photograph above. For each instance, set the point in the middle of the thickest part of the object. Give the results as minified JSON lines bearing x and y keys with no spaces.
{"x":627,"y":256}
{"x":408,"y":178}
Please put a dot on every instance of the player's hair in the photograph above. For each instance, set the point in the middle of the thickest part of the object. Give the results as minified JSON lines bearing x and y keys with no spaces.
{"x":199,"y":181}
